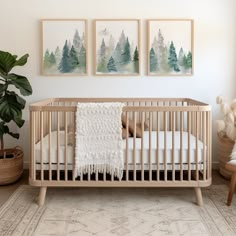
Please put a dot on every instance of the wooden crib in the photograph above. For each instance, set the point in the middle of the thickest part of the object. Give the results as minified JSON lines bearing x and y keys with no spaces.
{"x":172,"y":149}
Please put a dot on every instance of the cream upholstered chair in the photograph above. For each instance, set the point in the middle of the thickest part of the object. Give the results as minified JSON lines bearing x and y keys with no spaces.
{"x":231,"y":166}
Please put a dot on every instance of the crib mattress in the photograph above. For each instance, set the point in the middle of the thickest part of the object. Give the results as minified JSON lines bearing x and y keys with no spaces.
{"x":148,"y":156}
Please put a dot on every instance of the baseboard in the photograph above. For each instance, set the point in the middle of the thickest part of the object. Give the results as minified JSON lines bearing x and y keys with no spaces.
{"x":215,"y":165}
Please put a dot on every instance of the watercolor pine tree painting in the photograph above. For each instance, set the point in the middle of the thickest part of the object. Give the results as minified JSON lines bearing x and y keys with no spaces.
{"x":117,"y":47}
{"x":64,"y":44}
{"x":170,"y":47}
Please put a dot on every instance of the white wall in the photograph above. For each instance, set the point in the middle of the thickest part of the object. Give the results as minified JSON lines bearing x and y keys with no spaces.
{"x":214,"y":50}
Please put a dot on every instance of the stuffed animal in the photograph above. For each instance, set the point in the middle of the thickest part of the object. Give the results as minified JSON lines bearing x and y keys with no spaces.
{"x":228,"y":124}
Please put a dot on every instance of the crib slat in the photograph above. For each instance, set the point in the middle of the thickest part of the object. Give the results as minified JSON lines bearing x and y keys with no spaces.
{"x":165,"y":146}
{"x":32,"y":138}
{"x":157,"y":149}
{"x":73,"y":115}
{"x":112,"y":176}
{"x":176,"y":117}
{"x":96,"y":174}
{"x":173,"y":146}
{"x":41,"y":145}
{"x":134,"y":147}
{"x":181,"y":146}
{"x":142,"y":147}
{"x":150,"y":146}
{"x":208,"y":144}
{"x":197,"y":173}
{"x":50,"y":143}
{"x":204,"y":144}
{"x":89,"y":173}
{"x":127,"y":146}
{"x":66,"y":143}
{"x":58,"y":146}
{"x":189,"y":146}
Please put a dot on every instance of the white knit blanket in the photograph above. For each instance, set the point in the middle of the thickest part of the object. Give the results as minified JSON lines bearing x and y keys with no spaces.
{"x":99,"y":138}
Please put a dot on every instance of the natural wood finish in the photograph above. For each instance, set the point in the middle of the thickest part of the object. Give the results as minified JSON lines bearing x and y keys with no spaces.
{"x":142,"y":147}
{"x":231,"y":188}
{"x":127,"y":146}
{"x":167,"y":115}
{"x":50,"y":141}
{"x":198,"y":193}
{"x":42,"y":195}
{"x":134,"y":147}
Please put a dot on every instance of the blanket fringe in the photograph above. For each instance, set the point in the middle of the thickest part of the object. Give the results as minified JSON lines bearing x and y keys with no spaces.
{"x":100,"y":168}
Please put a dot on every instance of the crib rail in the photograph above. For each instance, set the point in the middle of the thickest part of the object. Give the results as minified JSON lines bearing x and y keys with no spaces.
{"x":171,"y":143}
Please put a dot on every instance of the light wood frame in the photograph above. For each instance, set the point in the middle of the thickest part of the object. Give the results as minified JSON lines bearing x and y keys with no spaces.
{"x":191,"y":47}
{"x":85,"y":44}
{"x":122,"y":22}
{"x":164,"y":115}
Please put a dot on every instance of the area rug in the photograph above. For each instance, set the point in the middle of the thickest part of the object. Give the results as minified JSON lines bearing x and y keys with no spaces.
{"x":120,"y":211}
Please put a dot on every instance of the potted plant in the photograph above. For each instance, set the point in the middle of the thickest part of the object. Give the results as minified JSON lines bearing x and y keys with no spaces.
{"x":226,"y":131}
{"x":11,"y":106}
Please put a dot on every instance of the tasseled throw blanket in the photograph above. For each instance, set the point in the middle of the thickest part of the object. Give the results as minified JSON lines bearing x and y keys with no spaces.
{"x":99,"y":138}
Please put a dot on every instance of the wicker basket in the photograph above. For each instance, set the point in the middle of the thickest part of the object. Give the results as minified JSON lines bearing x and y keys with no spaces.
{"x":11,"y":169}
{"x":225,"y":146}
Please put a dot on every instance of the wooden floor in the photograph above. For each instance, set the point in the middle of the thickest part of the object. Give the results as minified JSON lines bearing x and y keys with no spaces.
{"x":6,"y":191}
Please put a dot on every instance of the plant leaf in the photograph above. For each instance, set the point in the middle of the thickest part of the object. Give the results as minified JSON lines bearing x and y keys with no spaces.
{"x":19,"y":99}
{"x":5,"y":130}
{"x":2,"y":88}
{"x":10,"y":109}
{"x":14,"y":135}
{"x":22,"y":83}
{"x":22,"y":61}
{"x":7,"y":62}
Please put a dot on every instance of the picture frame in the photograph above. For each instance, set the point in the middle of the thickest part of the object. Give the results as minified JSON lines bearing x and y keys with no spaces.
{"x":117,"y":47}
{"x":170,"y":47}
{"x":64,"y":47}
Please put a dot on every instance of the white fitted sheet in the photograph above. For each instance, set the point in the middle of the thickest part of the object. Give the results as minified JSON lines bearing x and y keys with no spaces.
{"x":156,"y":156}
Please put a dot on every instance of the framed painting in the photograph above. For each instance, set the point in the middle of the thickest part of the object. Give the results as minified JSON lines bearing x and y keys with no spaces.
{"x":117,"y":47}
{"x":170,"y":47}
{"x":64,"y":47}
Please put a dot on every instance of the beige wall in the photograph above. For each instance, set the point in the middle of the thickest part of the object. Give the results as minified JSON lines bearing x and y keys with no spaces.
{"x":214,"y":50}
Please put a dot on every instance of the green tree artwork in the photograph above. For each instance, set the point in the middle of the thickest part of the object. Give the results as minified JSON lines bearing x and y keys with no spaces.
{"x":153,"y":61}
{"x":73,"y":58}
{"x":82,"y":59}
{"x":46,"y":62}
{"x":136,"y":59}
{"x":126,"y":57}
{"x":173,"y":62}
{"x":189,"y":60}
{"x":101,"y":67}
{"x":65,"y":64}
{"x":111,"y":67}
{"x":64,"y":46}
{"x":166,"y":39}
{"x":117,"y":54}
{"x":117,"y":47}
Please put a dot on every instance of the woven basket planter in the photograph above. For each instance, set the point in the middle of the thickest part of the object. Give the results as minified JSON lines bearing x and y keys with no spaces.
{"x":225,"y":146}
{"x":11,"y":165}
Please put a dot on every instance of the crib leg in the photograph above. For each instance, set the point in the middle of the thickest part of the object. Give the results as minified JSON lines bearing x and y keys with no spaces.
{"x":198,"y":193}
{"x":42,"y":195}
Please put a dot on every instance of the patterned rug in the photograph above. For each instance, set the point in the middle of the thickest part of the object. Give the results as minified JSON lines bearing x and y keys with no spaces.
{"x":120,"y":211}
